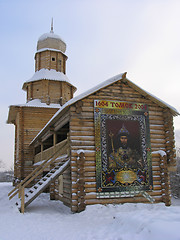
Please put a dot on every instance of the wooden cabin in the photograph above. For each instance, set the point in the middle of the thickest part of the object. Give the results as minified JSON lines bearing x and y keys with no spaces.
{"x":111,"y":144}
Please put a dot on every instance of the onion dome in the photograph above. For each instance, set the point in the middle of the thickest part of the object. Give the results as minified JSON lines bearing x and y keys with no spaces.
{"x":51,"y":41}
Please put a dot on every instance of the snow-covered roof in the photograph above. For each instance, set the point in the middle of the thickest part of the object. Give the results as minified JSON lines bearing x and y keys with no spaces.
{"x":33,"y":103}
{"x":50,"y":49}
{"x":38,"y":103}
{"x":49,"y":35}
{"x":104,"y":84}
{"x":51,"y":40}
{"x":51,"y":74}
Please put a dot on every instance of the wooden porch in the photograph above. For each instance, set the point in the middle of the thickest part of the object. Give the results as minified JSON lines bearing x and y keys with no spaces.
{"x":55,"y":161}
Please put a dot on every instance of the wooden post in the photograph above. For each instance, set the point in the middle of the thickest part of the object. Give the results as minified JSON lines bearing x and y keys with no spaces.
{"x":165,"y":180}
{"x":41,"y":151}
{"x":80,"y":182}
{"x":52,"y":191}
{"x":79,"y":105}
{"x":22,"y":200}
{"x":169,"y":137}
{"x":21,"y":149}
{"x":19,"y":193}
{"x":15,"y":157}
{"x":54,"y":141}
{"x":52,"y":185}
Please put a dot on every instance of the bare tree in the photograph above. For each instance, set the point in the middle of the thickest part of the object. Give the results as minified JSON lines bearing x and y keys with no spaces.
{"x":2,"y":164}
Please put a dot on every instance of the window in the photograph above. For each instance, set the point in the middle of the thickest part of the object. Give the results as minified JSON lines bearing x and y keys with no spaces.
{"x":59,"y":65}
{"x":53,"y":59}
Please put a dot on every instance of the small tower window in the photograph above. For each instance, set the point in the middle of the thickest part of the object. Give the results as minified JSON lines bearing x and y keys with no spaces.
{"x":53,"y":59}
{"x":59,"y":65}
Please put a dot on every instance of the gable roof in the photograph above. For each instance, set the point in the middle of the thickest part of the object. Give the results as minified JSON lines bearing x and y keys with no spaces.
{"x":119,"y":77}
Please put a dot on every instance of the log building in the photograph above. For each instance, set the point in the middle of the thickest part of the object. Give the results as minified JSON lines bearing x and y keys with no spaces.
{"x":71,"y":144}
{"x":47,"y":90}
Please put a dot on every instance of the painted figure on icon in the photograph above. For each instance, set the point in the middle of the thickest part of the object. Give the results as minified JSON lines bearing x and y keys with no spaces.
{"x":124,"y":156}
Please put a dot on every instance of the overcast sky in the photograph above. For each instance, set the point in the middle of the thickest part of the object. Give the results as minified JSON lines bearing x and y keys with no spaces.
{"x":103,"y":37}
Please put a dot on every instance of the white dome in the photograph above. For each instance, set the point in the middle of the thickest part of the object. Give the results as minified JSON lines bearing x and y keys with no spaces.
{"x":51,"y":40}
{"x":49,"y":35}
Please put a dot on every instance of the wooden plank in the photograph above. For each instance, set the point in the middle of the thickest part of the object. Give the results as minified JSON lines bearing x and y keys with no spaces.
{"x":158,"y":141}
{"x":156,"y":126}
{"x":121,"y":201}
{"x":82,"y":138}
{"x":82,"y":129}
{"x":82,"y":133}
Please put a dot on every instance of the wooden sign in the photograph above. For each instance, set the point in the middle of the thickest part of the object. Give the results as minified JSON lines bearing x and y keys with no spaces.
{"x":123,"y":151}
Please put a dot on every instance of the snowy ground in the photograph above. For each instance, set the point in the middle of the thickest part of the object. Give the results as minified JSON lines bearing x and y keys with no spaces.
{"x":51,"y":220}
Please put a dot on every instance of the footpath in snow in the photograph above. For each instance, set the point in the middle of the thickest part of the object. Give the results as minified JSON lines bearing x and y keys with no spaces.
{"x":51,"y":220}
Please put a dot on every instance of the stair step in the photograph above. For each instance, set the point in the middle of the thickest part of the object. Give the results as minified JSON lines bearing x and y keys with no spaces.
{"x":43,"y":183}
{"x":48,"y":175}
{"x":57,"y":167}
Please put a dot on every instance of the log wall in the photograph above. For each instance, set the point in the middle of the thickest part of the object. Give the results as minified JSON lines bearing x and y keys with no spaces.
{"x":50,"y":60}
{"x":65,"y":195}
{"x":82,"y":134}
{"x":49,"y":91}
{"x":29,"y":122}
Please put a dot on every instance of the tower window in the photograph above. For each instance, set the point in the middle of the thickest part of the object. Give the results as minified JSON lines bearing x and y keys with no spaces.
{"x":59,"y":65}
{"x":53,"y":59}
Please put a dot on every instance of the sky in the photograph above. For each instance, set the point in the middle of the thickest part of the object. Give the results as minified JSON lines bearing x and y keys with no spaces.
{"x":103,"y":37}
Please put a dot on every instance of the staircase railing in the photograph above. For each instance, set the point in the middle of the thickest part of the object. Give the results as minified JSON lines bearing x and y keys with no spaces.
{"x":20,"y":188}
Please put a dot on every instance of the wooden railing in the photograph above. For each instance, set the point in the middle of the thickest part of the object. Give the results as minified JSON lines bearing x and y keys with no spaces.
{"x":48,"y":152}
{"x":20,"y":188}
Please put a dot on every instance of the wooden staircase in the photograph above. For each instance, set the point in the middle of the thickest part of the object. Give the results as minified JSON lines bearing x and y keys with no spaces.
{"x":26,"y":196}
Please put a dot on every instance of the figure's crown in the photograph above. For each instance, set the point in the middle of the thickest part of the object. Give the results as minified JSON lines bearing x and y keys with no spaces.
{"x":123,"y":131}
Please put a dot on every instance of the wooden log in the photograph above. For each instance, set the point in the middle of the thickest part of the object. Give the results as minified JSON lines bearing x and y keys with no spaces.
{"x":121,"y":201}
{"x":156,"y":122}
{"x":159,"y":141}
{"x":157,"y":132}
{"x":82,"y":129}
{"x":86,"y":148}
{"x":156,"y":127}
{"x":82,"y":143}
{"x":87,"y":153}
{"x":81,"y":123}
{"x":82,"y":138}
{"x":156,"y":117}
{"x":157,"y":136}
{"x":89,"y":174}
{"x":156,"y":148}
{"x":81,"y":133}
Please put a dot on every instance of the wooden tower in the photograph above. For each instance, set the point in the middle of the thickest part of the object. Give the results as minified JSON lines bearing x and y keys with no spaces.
{"x":47,"y":90}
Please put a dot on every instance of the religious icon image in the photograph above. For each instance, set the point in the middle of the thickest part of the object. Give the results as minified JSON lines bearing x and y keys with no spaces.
{"x":123,"y":157}
{"x":124,"y":152}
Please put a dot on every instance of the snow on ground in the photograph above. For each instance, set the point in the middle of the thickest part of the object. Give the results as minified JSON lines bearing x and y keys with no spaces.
{"x":51,"y":220}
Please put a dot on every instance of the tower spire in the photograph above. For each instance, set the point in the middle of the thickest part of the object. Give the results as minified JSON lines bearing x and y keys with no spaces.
{"x":52,"y":26}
